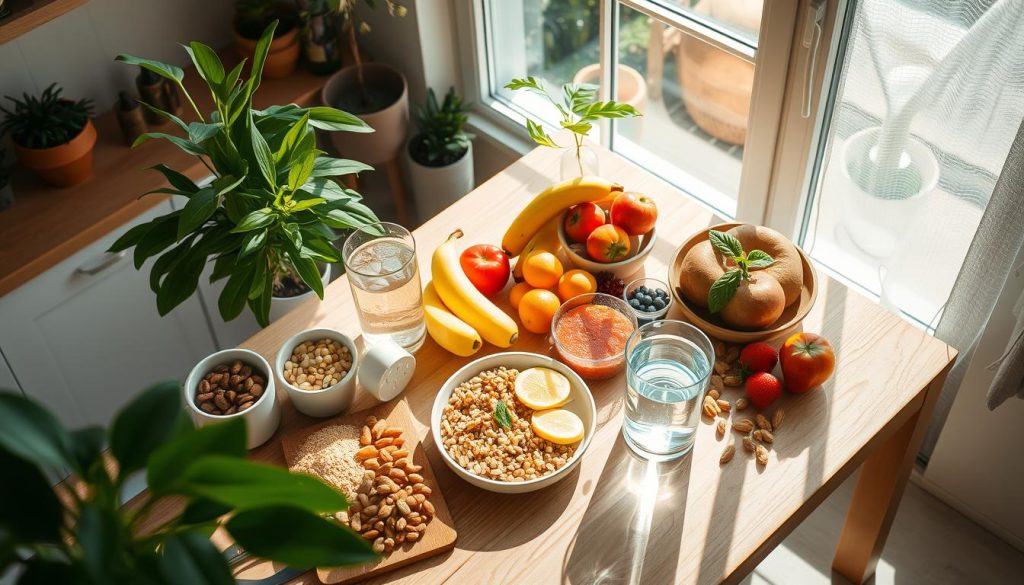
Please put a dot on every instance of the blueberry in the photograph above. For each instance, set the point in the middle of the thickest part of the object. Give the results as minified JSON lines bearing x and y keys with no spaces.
{"x":641,"y":289}
{"x":634,"y":303}
{"x":661,"y":293}
{"x":659,"y":303}
{"x":649,"y":308}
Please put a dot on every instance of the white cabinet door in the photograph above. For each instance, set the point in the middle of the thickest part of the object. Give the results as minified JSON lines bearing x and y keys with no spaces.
{"x":85,"y":336}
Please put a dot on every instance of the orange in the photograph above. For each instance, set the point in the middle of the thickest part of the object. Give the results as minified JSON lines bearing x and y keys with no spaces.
{"x":576,"y":282}
{"x":536,"y":309}
{"x":515,"y":294}
{"x":542,"y":270}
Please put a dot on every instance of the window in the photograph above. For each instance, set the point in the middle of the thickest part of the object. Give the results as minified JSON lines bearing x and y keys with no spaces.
{"x":768,"y":115}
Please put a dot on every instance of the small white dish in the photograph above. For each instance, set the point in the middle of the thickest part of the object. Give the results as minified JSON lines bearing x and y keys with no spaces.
{"x":581,"y":404}
{"x":326,"y":401}
{"x":261,"y":419}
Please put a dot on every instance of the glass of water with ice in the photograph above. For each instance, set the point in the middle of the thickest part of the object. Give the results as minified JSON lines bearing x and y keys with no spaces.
{"x":668,"y":367}
{"x":380,"y":260}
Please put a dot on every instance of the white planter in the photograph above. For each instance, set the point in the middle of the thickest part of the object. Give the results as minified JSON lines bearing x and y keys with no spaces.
{"x":435,"y":188}
{"x":261,"y":419}
{"x":327,"y":401}
{"x":281,"y":306}
{"x":875,"y":224}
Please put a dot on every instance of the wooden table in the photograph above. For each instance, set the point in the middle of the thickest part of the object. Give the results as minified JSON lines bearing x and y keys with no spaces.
{"x":617,"y":518}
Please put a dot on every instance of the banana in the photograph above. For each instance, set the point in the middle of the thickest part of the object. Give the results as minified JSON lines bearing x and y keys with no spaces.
{"x":467,"y":303}
{"x":549,"y":203}
{"x":545,"y":240}
{"x":448,"y":331}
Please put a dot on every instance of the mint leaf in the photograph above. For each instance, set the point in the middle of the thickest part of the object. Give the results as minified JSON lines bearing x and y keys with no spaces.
{"x":502,"y":415}
{"x":759,"y":259}
{"x":723,"y":290}
{"x":728,"y":245}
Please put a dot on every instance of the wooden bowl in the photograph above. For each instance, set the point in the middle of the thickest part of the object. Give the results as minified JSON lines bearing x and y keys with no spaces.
{"x":713,"y":325}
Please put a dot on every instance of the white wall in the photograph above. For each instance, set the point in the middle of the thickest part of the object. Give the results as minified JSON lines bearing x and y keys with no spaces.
{"x":77,"y":49}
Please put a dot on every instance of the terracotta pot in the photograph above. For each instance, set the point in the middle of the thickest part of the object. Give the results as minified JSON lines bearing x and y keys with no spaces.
{"x":283,"y":57}
{"x":65,"y":165}
{"x":631,"y":90}
{"x":388,"y":122}
{"x":716,"y":89}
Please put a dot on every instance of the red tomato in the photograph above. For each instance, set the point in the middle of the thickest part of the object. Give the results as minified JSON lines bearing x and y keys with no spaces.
{"x":608,"y":243}
{"x":634,"y":213}
{"x":807,"y":360}
{"x":487,"y":268}
{"x":583,"y":219}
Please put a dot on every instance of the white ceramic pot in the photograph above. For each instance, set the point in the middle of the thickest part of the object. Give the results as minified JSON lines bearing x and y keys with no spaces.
{"x":435,"y":188}
{"x":261,"y":419}
{"x":389,"y":123}
{"x":876,"y":224}
{"x":327,"y":401}
{"x":631,"y":89}
{"x":281,"y":306}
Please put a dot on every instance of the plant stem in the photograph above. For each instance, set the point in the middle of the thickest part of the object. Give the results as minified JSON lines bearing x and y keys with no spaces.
{"x":192,"y":103}
{"x":579,"y":145}
{"x":353,"y":46}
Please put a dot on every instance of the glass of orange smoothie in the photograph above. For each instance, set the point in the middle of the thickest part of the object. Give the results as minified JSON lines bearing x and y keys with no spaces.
{"x":590,"y":333}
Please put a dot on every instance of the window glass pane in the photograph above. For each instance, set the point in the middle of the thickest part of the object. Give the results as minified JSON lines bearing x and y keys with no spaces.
{"x":695,"y":99}
{"x":930,"y":98}
{"x":741,"y":18}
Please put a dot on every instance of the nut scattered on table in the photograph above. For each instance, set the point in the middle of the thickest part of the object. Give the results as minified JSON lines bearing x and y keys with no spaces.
{"x":777,"y":418}
{"x":727,"y":454}
{"x":229,"y":389}
{"x":316,"y":365}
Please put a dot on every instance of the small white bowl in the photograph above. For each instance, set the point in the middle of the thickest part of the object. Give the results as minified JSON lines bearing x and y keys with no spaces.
{"x":326,"y":401}
{"x":581,"y":404}
{"x":261,"y":419}
{"x":622,"y":269}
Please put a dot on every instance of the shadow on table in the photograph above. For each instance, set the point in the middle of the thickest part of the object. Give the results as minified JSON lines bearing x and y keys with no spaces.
{"x":632,"y":529}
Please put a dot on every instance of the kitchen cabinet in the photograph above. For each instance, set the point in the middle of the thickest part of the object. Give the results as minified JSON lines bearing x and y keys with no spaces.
{"x":85,"y":337}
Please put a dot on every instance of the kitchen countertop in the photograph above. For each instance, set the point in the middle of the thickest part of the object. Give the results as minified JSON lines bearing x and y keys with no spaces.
{"x":48,"y":224}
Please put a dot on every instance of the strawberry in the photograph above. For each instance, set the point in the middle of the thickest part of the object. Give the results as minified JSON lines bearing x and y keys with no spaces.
{"x":757,"y":357}
{"x":763,"y":389}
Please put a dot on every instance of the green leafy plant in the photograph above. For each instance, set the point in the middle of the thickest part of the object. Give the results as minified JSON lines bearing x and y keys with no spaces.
{"x":347,"y":9}
{"x":578,"y":108}
{"x":725,"y":287}
{"x":45,"y":121}
{"x":441,"y":140}
{"x":77,"y":533}
{"x":502,"y":415}
{"x":269,"y":213}
{"x":253,"y":16}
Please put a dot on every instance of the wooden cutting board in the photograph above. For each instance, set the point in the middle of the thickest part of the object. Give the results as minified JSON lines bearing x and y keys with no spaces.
{"x":440,"y":534}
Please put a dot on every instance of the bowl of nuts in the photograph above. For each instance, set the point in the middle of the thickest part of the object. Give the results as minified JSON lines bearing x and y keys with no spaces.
{"x":234,"y":383}
{"x":513,"y":422}
{"x":317,"y":367}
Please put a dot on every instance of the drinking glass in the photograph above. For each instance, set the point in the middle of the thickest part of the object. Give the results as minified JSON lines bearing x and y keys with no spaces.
{"x":668,"y":367}
{"x":380,"y":260}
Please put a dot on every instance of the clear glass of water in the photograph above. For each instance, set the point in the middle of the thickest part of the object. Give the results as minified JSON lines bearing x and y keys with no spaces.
{"x":380,"y":260}
{"x":668,"y":367}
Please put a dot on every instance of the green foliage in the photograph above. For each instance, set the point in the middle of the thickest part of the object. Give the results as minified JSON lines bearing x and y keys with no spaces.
{"x":86,"y":538}
{"x":726,"y":286}
{"x":272,"y":206}
{"x":45,"y":121}
{"x":441,"y":140}
{"x":578,"y":108}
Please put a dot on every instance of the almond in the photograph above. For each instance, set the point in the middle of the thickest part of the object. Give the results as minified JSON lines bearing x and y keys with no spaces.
{"x":714,"y":393}
{"x":762,"y":455}
{"x":767,"y":437}
{"x":777,"y":418}
{"x":364,"y":437}
{"x":742,"y":403}
{"x":743,"y":425}
{"x":762,"y":422}
{"x":732,"y":380}
{"x":727,"y":454}
{"x":724,"y":405}
{"x":749,"y":444}
{"x":720,"y":430}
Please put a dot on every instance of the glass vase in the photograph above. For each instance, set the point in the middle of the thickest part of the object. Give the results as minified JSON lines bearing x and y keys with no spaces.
{"x":571,"y":166}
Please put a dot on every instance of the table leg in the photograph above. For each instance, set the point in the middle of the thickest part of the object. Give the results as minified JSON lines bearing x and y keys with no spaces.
{"x":883,"y":478}
{"x":398,"y":194}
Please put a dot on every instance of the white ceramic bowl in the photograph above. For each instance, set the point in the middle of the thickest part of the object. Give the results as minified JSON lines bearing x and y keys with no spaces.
{"x":261,"y":419}
{"x":623,"y":269}
{"x":581,"y":403}
{"x":326,"y":401}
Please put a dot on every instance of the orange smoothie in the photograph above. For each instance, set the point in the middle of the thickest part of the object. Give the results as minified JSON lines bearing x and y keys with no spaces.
{"x":591,"y":340}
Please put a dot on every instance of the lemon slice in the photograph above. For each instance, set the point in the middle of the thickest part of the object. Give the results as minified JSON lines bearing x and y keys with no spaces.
{"x":558,"y":426}
{"x":542,"y":388}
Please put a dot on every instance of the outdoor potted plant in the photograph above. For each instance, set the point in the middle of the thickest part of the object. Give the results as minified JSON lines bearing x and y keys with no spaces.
{"x":579,"y":109}
{"x":631,"y":89}
{"x":266,"y":219}
{"x":376,"y":92}
{"x":440,"y":155}
{"x":52,"y":136}
{"x":78,"y":533}
{"x":6,"y":193}
{"x":252,"y":18}
{"x":321,"y":34}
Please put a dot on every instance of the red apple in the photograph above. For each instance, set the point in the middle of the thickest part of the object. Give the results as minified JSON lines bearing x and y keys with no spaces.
{"x":583,"y":219}
{"x":634,"y":212}
{"x":487,"y":268}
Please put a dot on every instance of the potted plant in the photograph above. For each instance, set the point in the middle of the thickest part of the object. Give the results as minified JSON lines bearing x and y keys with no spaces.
{"x":440,"y":155}
{"x":322,"y":22}
{"x":252,"y":17}
{"x":631,"y":89}
{"x":267,"y":218}
{"x":376,"y":92}
{"x":579,"y":109}
{"x":77,"y":533}
{"x":52,"y":136}
{"x":6,"y":193}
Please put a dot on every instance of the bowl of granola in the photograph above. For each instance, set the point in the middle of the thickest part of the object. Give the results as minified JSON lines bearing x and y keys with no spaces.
{"x":494,"y":440}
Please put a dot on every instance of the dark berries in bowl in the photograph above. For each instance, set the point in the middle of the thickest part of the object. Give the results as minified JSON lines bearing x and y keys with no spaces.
{"x":649,"y":298}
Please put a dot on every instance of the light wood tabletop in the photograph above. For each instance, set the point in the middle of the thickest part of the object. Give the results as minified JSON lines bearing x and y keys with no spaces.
{"x":617,"y":518}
